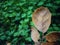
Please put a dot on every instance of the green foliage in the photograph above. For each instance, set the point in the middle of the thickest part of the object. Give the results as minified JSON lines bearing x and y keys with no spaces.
{"x":15,"y":18}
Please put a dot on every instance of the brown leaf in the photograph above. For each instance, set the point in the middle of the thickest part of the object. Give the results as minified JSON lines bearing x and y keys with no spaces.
{"x":8,"y":43}
{"x":38,"y":43}
{"x":35,"y":35}
{"x":48,"y":43}
{"x":42,"y":19}
{"x":53,"y":37}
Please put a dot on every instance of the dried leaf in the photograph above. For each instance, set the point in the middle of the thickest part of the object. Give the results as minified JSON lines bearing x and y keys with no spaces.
{"x":53,"y":37}
{"x":38,"y":43}
{"x":35,"y":35}
{"x":48,"y":43}
{"x":42,"y":19}
{"x":8,"y":43}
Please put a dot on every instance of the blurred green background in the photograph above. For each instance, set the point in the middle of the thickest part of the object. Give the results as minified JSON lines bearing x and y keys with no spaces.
{"x":15,"y":19}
